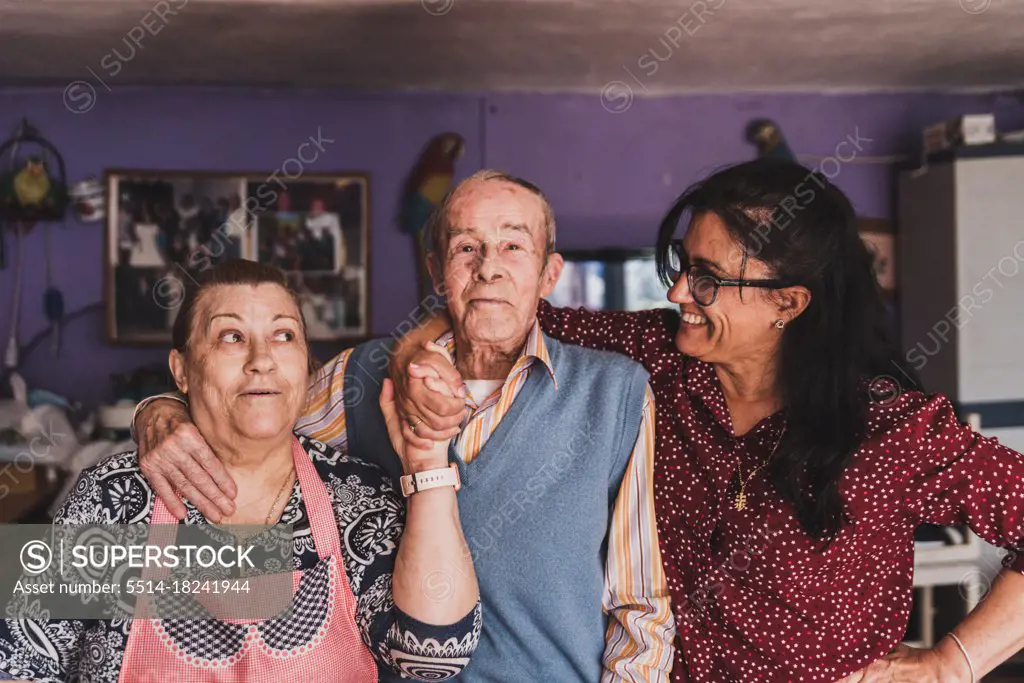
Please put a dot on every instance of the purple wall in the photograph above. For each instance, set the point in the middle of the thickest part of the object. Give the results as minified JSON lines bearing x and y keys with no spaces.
{"x":609,"y":176}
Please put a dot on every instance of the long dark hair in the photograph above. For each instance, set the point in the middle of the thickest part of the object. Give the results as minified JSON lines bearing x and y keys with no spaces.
{"x":804,"y":229}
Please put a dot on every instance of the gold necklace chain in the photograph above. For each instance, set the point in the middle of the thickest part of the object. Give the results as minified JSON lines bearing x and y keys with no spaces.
{"x":284,"y":485}
{"x":741,"y":496}
{"x":242,"y":538}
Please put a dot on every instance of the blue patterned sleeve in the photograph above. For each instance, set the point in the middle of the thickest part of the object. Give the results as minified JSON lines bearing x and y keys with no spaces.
{"x":50,"y":649}
{"x":44,"y":650}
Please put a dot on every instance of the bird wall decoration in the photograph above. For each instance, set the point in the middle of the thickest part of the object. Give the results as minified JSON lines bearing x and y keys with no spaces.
{"x":32,"y":183}
{"x":426,"y":186}
{"x":32,"y":189}
{"x":767,"y":137}
{"x":32,"y":180}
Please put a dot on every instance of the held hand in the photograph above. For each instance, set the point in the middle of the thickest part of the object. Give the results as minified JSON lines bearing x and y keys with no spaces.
{"x":431,"y":393}
{"x":177,"y":461}
{"x":414,"y":458}
{"x":910,"y":665}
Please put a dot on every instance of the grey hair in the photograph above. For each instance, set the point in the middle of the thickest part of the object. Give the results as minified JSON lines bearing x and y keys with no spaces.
{"x":438,"y":225}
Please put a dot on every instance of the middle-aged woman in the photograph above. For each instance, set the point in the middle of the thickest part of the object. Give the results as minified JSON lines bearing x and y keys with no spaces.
{"x":792,"y":469}
{"x":361,"y":561}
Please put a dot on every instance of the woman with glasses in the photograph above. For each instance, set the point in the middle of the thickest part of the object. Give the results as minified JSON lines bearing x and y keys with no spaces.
{"x":795,"y":454}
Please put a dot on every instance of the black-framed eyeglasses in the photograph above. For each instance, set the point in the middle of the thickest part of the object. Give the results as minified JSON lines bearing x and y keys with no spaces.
{"x":704,"y":285}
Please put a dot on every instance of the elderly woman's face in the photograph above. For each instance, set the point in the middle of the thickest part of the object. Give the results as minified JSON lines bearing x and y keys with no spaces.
{"x":739,"y":325}
{"x":246,"y":369}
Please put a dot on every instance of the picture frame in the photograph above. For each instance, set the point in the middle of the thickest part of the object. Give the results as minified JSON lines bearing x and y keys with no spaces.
{"x":165,"y":227}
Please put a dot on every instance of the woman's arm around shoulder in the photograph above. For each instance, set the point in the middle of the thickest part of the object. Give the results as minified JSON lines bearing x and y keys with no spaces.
{"x":645,"y":336}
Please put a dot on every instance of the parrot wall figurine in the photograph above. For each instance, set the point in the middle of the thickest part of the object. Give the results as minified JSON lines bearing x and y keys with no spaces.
{"x":31,"y":194}
{"x":427,"y":184}
{"x":32,"y":183}
{"x":766,"y":135}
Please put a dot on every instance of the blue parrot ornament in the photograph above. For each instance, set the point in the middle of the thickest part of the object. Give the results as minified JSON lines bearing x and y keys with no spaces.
{"x":766,"y":135}
{"x":427,"y":184}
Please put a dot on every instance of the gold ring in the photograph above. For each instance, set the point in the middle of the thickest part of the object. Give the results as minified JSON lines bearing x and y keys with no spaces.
{"x":413,"y":425}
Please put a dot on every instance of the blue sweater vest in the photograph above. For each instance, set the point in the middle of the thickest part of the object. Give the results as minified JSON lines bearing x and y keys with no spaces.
{"x":535,"y":506}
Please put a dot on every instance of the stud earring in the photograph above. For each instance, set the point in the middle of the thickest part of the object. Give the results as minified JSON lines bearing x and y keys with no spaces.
{"x":780,"y":323}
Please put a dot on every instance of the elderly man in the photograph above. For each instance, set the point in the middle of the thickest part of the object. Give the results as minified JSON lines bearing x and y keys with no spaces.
{"x":553,"y":463}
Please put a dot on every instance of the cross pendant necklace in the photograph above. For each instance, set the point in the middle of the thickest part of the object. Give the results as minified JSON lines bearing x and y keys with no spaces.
{"x":741,"y":496}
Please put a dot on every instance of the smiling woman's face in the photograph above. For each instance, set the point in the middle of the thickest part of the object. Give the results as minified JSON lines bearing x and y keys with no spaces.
{"x":740,"y":324}
{"x":246,"y":369}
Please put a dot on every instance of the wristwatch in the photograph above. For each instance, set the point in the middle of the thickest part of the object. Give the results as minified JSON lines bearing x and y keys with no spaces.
{"x":431,"y":479}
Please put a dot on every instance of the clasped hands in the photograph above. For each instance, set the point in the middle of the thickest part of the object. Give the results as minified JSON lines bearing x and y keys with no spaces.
{"x":423,"y":403}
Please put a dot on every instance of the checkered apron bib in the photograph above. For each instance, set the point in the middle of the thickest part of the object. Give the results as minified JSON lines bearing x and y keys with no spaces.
{"x":320,"y":642}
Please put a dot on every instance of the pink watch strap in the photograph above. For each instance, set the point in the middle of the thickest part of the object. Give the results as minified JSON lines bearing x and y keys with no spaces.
{"x":431,"y":479}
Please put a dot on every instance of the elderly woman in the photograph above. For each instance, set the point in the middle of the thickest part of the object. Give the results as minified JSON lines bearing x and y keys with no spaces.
{"x":792,"y":469}
{"x":241,"y":357}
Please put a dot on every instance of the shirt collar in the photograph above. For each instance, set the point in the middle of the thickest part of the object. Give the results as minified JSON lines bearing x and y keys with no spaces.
{"x":702,"y":383}
{"x":700,"y":378}
{"x":534,"y":350}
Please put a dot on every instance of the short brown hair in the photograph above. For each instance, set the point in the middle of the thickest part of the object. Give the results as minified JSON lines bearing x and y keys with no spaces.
{"x":231,"y":272}
{"x":438,"y":225}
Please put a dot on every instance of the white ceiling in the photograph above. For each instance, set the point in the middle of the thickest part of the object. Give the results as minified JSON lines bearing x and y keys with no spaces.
{"x":520,"y":44}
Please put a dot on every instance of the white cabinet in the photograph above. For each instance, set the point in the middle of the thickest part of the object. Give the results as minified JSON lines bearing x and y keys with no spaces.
{"x":961,"y":246}
{"x":961,"y":298}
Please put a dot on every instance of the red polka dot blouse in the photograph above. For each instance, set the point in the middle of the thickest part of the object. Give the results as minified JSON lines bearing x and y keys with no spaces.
{"x":755,"y":598}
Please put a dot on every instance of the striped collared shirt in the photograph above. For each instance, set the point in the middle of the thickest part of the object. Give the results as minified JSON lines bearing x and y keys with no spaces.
{"x":641,"y":628}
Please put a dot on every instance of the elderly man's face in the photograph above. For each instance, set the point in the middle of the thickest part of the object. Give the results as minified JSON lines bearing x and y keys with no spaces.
{"x":494,"y":269}
{"x":246,"y":370}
